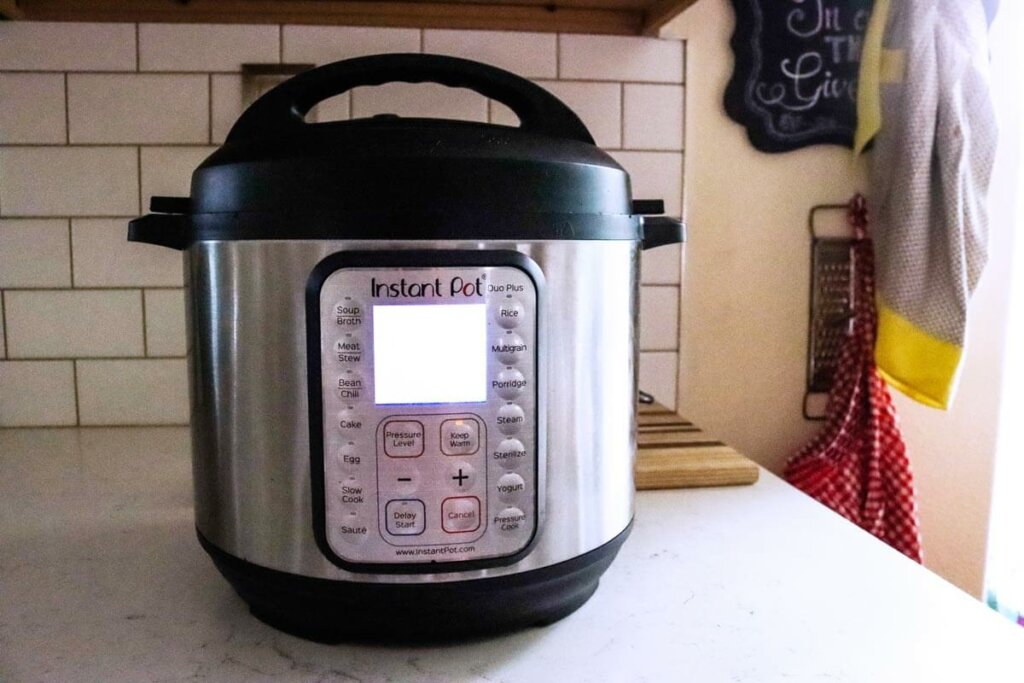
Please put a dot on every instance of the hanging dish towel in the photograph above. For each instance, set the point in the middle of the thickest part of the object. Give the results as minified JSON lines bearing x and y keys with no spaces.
{"x":924,"y":100}
{"x":857,"y":465}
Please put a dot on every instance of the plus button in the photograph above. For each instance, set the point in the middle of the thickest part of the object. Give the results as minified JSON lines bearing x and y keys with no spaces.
{"x":460,"y":477}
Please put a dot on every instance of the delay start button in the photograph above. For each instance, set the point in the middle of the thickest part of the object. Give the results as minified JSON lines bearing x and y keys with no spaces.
{"x":460,"y":515}
{"x":405,"y":517}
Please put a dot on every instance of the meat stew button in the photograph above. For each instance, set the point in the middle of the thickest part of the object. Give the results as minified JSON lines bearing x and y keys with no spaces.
{"x":460,"y":515}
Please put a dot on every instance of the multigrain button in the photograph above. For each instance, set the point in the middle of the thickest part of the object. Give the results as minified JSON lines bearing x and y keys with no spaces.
{"x":403,"y":438}
{"x":509,"y":348}
{"x":509,"y":314}
{"x":510,"y":487}
{"x":509,"y":384}
{"x":460,"y":436}
{"x":350,"y":385}
{"x":459,"y":515}
{"x":348,"y":313}
{"x":348,"y":348}
{"x":405,"y":517}
{"x":510,"y":521}
{"x":509,"y":453}
{"x":349,"y":421}
{"x":510,"y":419}
{"x":351,"y":528}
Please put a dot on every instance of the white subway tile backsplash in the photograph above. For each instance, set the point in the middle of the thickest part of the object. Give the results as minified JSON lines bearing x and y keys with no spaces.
{"x":332,"y":109}
{"x":132,"y":392}
{"x":662,"y":265}
{"x":427,"y":100}
{"x":659,"y":318}
{"x":657,"y":376}
{"x":73,"y":46}
{"x":655,"y":175}
{"x":32,"y":109}
{"x":34,"y":253}
{"x":653,"y":116}
{"x":103,"y":257}
{"x":37,"y":393}
{"x":139,"y":108}
{"x":167,"y":171}
{"x":165,"y":322}
{"x":206,"y":47}
{"x":69,"y":181}
{"x":3,"y":333}
{"x":621,"y":58}
{"x":533,"y":55}
{"x":225,"y":104}
{"x":73,"y":323}
{"x":325,"y":44}
{"x":599,"y":106}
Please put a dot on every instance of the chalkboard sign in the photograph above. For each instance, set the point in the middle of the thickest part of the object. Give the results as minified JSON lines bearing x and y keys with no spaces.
{"x":795,"y":80}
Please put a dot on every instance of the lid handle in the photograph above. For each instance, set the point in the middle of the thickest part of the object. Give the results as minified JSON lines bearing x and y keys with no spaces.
{"x":283,"y":109}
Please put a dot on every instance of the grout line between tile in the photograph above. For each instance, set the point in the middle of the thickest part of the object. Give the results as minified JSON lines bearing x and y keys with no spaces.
{"x":209,"y":111}
{"x":280,"y":43}
{"x":67,"y":111}
{"x":71,"y":253}
{"x":138,"y":176}
{"x":138,"y":48}
{"x":140,"y":425}
{"x":422,"y":40}
{"x":3,"y":318}
{"x":74,"y":384}
{"x":558,"y":56}
{"x":90,"y":359}
{"x":145,"y":330}
{"x":622,"y":114}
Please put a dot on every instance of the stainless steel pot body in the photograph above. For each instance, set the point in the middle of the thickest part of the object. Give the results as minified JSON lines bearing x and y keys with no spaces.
{"x":250,"y":413}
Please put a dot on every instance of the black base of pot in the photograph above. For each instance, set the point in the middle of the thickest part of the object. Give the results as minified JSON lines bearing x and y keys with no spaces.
{"x":334,"y":611}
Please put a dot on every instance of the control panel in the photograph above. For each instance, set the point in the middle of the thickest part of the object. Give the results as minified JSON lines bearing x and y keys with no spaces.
{"x":428,"y":392}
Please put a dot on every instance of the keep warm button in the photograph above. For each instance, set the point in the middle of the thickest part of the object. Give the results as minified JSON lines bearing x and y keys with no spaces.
{"x":459,"y":515}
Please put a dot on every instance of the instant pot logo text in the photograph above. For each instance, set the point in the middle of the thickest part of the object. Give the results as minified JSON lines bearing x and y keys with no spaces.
{"x":457,"y":287}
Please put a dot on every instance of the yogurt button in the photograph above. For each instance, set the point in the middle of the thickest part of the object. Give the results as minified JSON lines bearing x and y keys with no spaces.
{"x":510,"y":487}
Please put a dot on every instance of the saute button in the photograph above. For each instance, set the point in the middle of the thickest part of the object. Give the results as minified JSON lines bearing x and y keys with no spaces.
{"x":459,"y":436}
{"x":510,"y":487}
{"x":461,"y":476}
{"x":351,"y":528}
{"x":509,"y":347}
{"x":348,"y":313}
{"x":349,"y":421}
{"x":348,"y":348}
{"x":510,"y":383}
{"x":509,"y":453}
{"x":459,"y":515}
{"x":510,"y":520}
{"x":350,"y":385}
{"x":510,"y":419}
{"x":509,"y":313}
{"x":405,"y":517}
{"x":403,"y":438}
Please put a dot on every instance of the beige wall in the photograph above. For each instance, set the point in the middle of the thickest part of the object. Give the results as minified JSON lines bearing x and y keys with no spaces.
{"x":744,"y":307}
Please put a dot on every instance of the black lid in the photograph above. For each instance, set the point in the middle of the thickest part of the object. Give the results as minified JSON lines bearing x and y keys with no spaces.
{"x":386,"y":177}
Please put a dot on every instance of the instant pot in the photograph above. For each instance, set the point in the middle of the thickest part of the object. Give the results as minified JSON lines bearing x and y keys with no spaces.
{"x":412,"y":352}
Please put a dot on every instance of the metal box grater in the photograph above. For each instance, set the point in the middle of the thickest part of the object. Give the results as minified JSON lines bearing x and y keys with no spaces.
{"x":832,"y":302}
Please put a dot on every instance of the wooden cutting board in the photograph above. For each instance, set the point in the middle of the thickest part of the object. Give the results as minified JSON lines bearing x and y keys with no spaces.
{"x":674,"y":453}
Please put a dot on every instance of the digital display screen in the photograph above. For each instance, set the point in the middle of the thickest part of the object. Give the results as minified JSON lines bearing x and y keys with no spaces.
{"x":433,"y":353}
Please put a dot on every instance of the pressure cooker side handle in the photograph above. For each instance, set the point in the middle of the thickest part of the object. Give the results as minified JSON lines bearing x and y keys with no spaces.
{"x":283,"y":109}
{"x":660,"y":231}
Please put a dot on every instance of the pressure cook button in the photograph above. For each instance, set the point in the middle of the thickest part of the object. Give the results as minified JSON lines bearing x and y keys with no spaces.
{"x":351,"y":528}
{"x":405,"y":517}
{"x":459,"y":515}
{"x":350,"y":385}
{"x":509,"y":384}
{"x":510,"y":521}
{"x":460,"y":436}
{"x":403,"y":438}
{"x":349,"y":421}
{"x":509,"y":453}
{"x":509,"y":314}
{"x":461,"y":476}
{"x":510,"y":487}
{"x":348,"y":313}
{"x":510,"y":419}
{"x":348,"y":349}
{"x":509,"y":348}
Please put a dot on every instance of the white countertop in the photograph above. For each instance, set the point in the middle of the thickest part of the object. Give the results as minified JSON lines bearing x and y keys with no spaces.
{"x":102,"y":579}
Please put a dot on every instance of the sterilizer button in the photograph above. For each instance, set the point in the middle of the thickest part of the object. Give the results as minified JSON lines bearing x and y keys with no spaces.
{"x":459,"y":436}
{"x":403,"y":438}
{"x":510,"y":419}
{"x":348,"y":348}
{"x":405,"y":517}
{"x":509,"y":313}
{"x":348,"y":313}
{"x":510,"y":348}
{"x":461,"y":476}
{"x":349,"y":421}
{"x":510,"y":383}
{"x":509,"y":453}
{"x":510,"y":520}
{"x":351,"y":528}
{"x":350,"y":385}
{"x":459,"y":515}
{"x":510,"y":487}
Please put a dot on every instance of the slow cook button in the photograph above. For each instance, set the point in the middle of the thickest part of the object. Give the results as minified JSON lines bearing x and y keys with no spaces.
{"x":509,"y":384}
{"x":351,"y":528}
{"x":510,"y":521}
{"x":509,"y":314}
{"x":348,"y":349}
{"x":459,"y":436}
{"x":509,"y":453}
{"x":460,"y":515}
{"x":348,"y":313}
{"x":405,"y":517}
{"x":350,"y":385}
{"x":403,"y":438}
{"x":510,"y":419}
{"x":510,"y":487}
{"x":351,"y":492}
{"x":509,"y":348}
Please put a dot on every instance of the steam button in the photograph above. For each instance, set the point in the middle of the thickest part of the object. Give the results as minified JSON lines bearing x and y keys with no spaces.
{"x":509,"y":314}
{"x":348,"y":313}
{"x":510,"y":419}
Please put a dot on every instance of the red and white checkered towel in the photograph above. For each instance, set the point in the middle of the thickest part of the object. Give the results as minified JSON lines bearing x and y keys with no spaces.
{"x":857,"y":465}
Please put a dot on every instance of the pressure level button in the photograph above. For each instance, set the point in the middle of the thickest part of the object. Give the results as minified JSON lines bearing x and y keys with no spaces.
{"x":509,"y":313}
